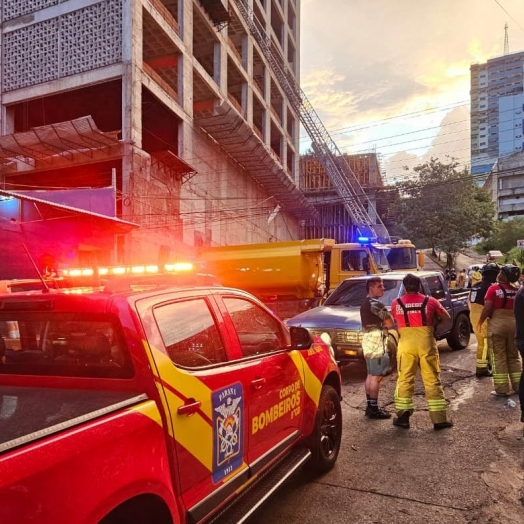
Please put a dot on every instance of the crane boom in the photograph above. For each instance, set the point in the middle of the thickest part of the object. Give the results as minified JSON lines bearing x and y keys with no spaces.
{"x":337,"y":169}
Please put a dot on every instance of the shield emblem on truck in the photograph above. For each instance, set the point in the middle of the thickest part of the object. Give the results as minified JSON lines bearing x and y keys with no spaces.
{"x":228,"y":415}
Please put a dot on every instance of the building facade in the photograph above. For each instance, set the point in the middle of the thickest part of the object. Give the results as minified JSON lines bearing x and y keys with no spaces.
{"x":505,"y":184}
{"x":497,"y":111}
{"x":170,"y":103}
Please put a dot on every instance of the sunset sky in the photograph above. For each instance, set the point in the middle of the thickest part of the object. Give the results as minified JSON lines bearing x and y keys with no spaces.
{"x":392,"y":76}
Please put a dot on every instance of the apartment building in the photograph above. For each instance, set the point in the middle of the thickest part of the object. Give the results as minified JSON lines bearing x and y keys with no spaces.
{"x":497,"y":111}
{"x":164,"y":114}
{"x":505,"y":184}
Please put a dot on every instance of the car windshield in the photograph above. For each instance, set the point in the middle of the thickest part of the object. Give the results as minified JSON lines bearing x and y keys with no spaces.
{"x":351,"y":293}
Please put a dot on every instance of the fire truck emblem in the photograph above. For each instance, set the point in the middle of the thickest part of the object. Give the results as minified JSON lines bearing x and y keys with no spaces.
{"x":228,"y":414}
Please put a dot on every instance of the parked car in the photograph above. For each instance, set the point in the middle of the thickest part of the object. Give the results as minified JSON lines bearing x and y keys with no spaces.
{"x":339,"y":316}
{"x":493,"y":255}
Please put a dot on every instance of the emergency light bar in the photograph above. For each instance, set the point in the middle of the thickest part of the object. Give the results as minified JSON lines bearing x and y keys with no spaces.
{"x":178,"y":267}
{"x":366,"y":240}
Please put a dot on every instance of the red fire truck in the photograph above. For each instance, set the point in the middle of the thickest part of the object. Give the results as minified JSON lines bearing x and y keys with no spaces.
{"x":156,"y":402}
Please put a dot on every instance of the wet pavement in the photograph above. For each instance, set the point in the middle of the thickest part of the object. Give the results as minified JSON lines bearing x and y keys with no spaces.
{"x":471,"y":473}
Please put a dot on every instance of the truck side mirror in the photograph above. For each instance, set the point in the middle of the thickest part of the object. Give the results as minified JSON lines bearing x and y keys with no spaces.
{"x":300,"y":338}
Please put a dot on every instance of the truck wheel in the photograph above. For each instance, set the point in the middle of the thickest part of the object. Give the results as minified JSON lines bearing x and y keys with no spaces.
{"x":326,"y":437}
{"x":460,"y":333}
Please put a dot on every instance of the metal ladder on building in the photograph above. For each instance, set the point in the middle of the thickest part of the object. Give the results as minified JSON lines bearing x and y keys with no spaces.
{"x":337,"y":169}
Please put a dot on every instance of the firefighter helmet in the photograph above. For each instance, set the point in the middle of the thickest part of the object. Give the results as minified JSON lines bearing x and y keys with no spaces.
{"x":492,"y":267}
{"x":511,"y":271}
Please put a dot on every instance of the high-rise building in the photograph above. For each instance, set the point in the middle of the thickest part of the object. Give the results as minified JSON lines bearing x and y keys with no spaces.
{"x":497,"y":111}
{"x":171,"y":104}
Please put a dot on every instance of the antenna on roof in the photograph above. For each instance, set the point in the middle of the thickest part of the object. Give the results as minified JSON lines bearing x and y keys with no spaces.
{"x":506,"y":40}
{"x":46,"y":287}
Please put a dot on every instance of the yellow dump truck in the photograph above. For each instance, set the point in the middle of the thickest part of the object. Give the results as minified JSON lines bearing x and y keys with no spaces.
{"x":291,"y":277}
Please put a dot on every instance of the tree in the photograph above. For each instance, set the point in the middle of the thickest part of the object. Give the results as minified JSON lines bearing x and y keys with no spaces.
{"x":504,"y":235}
{"x":442,"y":207}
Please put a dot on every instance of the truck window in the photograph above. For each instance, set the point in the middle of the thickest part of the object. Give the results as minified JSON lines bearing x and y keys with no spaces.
{"x":435,"y":287}
{"x":62,"y":345}
{"x":402,"y":258}
{"x":355,"y":260}
{"x":257,"y":330}
{"x":190,"y":334}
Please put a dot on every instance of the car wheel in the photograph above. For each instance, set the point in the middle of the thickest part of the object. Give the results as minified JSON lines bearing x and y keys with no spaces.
{"x":327,"y":435}
{"x":460,"y":333}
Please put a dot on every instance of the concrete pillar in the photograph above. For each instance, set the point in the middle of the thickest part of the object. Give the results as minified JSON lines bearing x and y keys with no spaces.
{"x":131,"y":91}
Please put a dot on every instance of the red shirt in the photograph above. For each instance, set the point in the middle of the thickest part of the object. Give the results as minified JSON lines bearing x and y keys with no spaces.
{"x":495,"y":294}
{"x":433,"y":306}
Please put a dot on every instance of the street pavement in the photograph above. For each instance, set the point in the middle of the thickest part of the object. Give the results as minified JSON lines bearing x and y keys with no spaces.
{"x":471,"y":473}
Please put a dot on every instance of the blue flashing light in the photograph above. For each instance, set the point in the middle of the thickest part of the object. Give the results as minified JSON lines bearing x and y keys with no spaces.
{"x":363,"y":240}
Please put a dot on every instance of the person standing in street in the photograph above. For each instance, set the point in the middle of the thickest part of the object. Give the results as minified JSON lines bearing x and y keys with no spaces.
{"x":476,"y":275}
{"x":374,"y":316}
{"x":416,"y":315}
{"x":518,"y":311}
{"x":461,"y":279}
{"x":498,"y":312}
{"x":476,"y":304}
{"x":452,"y":279}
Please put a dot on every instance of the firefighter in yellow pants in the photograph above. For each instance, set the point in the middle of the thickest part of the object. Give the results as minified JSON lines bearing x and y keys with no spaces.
{"x":507,"y":367}
{"x":498,"y":311}
{"x":415,"y":315}
{"x":476,"y":305}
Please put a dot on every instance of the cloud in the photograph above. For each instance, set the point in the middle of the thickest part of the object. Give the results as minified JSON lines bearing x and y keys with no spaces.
{"x":451,"y":142}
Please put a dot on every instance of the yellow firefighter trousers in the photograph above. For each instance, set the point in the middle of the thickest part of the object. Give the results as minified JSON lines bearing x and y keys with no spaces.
{"x":482,"y":344}
{"x":506,"y":364}
{"x":417,"y":348}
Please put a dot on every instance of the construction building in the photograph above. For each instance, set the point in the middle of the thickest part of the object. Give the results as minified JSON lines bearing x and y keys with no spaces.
{"x":334,"y":220}
{"x":497,"y":111}
{"x":165,"y":113}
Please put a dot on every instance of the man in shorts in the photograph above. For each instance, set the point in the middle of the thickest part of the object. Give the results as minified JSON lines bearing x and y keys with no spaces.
{"x":374,"y":315}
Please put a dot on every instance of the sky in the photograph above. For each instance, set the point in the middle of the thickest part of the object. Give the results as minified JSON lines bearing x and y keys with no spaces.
{"x":393,"y":76}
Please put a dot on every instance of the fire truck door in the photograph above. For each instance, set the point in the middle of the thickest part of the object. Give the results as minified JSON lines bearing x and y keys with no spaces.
{"x":272,"y":379}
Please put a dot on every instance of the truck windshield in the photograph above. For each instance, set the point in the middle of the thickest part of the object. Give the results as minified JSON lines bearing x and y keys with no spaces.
{"x":351,"y":293}
{"x":379,"y":255}
{"x":402,"y":257}
{"x":58,"y":344}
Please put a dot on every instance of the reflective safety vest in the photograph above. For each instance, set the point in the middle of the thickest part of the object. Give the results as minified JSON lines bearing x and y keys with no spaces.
{"x":508,"y":293}
{"x":410,"y":308}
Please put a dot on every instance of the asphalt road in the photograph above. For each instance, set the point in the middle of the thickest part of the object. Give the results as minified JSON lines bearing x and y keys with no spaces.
{"x":471,"y":473}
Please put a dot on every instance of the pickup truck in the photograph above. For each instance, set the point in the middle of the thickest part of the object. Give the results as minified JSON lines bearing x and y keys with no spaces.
{"x":156,"y":404}
{"x":339,"y":316}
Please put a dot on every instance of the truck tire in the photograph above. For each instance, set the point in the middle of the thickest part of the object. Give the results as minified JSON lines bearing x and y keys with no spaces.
{"x":459,"y":335}
{"x":324,"y":443}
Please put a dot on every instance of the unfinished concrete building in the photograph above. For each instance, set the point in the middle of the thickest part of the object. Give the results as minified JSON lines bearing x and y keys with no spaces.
{"x":169,"y":103}
{"x":334,"y":220}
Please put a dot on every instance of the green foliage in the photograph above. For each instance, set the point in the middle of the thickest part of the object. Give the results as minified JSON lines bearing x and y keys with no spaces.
{"x":443,"y":207}
{"x":515,"y":256}
{"x":504,"y":236}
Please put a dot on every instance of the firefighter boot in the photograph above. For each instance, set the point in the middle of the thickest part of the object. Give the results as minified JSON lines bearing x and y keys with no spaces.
{"x":377,"y":413}
{"x":403,"y":420}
